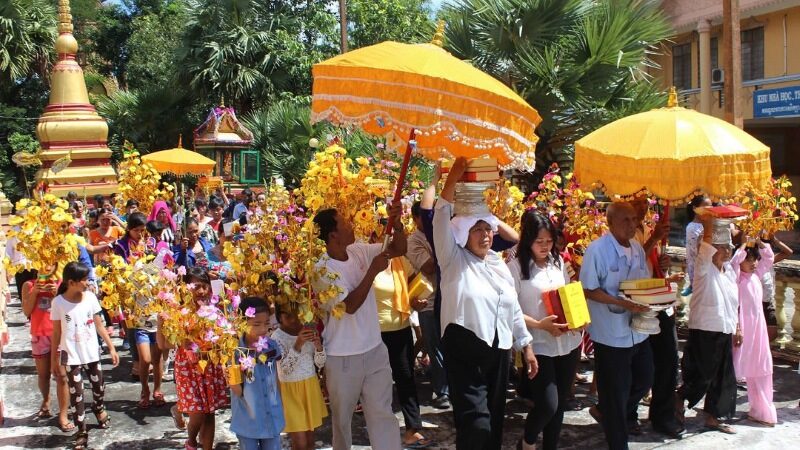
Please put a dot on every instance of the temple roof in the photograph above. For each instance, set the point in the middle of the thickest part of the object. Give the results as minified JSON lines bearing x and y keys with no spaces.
{"x":222,"y":129}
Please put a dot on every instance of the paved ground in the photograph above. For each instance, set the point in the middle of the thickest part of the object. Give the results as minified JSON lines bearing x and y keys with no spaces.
{"x":153,"y":429}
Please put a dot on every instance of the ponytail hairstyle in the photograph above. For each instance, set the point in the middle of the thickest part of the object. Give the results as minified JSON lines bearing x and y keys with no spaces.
{"x":533,"y":222}
{"x":74,"y":271}
{"x":696,"y":201}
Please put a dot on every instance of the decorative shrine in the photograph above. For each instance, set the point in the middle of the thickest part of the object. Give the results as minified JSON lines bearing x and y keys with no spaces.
{"x":70,"y":126}
{"x":224,"y":139}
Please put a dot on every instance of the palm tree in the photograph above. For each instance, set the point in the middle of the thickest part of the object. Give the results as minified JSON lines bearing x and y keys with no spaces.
{"x":580,"y":63}
{"x":27,"y":33}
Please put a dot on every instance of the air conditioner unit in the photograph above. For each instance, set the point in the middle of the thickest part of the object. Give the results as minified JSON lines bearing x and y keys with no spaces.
{"x":717,"y":76}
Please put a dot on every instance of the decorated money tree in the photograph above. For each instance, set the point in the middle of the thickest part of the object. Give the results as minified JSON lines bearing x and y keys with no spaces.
{"x":507,"y":202}
{"x":130,"y":286}
{"x":354,"y":188}
{"x":138,"y":180}
{"x":42,"y":229}
{"x":772,"y":209}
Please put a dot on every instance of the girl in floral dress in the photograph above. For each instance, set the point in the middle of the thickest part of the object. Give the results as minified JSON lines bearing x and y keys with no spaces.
{"x":200,"y":392}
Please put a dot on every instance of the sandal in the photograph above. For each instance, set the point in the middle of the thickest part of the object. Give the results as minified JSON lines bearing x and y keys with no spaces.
{"x":177,"y":417}
{"x":186,"y":446}
{"x":721,"y":427}
{"x":43,"y":414}
{"x":81,"y":441}
{"x":760,"y":422}
{"x":144,"y":401}
{"x":419,"y":443}
{"x":158,"y":399}
{"x":66,"y":427}
{"x":105,"y":422}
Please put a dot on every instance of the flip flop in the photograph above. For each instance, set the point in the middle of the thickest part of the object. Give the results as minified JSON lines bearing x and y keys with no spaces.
{"x":760,"y":422}
{"x":144,"y":401}
{"x":158,"y":399}
{"x":44,"y":414}
{"x":721,"y":427}
{"x":419,"y":443}
{"x":66,"y":427}
{"x":177,"y":417}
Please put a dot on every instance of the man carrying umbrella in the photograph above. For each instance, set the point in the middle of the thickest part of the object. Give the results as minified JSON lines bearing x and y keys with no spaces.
{"x":623,"y":358}
{"x":358,"y":361}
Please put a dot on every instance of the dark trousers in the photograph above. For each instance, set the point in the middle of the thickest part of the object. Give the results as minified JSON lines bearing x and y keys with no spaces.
{"x":707,"y":367}
{"x":400,"y":344}
{"x":478,"y":375}
{"x":550,"y":391}
{"x":665,"y":378}
{"x":624,"y":375}
{"x":433,"y":344}
{"x":75,"y":382}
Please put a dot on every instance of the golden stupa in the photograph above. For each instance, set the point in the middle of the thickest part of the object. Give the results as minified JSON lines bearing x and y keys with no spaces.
{"x":70,"y":128}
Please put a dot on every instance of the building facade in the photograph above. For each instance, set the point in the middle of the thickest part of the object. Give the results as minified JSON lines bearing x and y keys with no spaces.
{"x":770,"y":67}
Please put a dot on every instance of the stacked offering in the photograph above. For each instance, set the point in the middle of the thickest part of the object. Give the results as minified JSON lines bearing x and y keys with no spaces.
{"x":569,"y":304}
{"x":649,"y":291}
{"x":478,"y":170}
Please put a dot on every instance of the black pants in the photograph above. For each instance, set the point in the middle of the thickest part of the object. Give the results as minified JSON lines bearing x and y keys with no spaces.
{"x":75,"y":382}
{"x":550,"y":391}
{"x":400,"y":344}
{"x":478,"y":375}
{"x":665,"y":378}
{"x":624,"y":375}
{"x":707,"y":367}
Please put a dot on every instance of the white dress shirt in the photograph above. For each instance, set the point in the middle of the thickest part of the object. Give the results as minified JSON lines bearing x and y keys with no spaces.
{"x":715,"y":296}
{"x":529,"y":296}
{"x":477,"y":294}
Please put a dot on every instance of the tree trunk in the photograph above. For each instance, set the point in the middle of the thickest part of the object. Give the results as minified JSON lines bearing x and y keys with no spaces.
{"x":343,"y":25}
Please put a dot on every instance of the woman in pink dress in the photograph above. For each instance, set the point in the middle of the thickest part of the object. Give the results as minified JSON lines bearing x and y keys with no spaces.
{"x":752,"y":358}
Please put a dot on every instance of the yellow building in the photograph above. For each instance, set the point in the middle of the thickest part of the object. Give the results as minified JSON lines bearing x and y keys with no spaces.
{"x":770,"y":53}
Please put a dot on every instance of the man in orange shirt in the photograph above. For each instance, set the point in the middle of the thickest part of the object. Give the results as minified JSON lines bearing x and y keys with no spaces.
{"x":104,"y":237}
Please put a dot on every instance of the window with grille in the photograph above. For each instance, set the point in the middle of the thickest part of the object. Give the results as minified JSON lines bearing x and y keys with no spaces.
{"x":682,"y":66}
{"x":753,"y":54}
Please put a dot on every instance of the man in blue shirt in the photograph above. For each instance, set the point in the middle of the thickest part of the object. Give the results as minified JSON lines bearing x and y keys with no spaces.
{"x":623,"y":357}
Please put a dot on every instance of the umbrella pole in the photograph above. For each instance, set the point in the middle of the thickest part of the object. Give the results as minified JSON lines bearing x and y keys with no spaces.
{"x":401,"y":180}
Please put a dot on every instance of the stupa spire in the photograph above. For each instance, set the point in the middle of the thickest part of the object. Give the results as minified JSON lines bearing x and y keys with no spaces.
{"x":71,"y":126}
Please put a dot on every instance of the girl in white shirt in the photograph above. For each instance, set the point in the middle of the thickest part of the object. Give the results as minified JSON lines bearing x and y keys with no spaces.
{"x":75,"y":314}
{"x":538,"y":268}
{"x":302,"y":354}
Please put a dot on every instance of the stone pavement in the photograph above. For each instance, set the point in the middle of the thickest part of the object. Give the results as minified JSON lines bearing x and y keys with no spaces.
{"x":153,"y":429}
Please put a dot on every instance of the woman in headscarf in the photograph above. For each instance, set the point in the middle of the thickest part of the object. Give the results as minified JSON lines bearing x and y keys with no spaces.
{"x":163,"y":214}
{"x":481,"y":319}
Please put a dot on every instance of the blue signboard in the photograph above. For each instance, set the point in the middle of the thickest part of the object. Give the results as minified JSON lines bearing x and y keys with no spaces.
{"x":779,"y":102}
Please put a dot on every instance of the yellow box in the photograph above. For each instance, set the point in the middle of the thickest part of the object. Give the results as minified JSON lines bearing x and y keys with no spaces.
{"x":576,"y":311}
{"x":419,"y":287}
{"x":234,"y":375}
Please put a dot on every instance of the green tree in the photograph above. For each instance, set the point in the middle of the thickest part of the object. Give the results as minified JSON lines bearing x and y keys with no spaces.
{"x":250,"y":50}
{"x":581,"y":64}
{"x":374,"y":21}
{"x":152,"y":45}
{"x":27,"y":34}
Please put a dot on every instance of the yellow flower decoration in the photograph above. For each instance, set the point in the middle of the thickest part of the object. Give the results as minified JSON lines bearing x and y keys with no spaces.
{"x":138,"y":180}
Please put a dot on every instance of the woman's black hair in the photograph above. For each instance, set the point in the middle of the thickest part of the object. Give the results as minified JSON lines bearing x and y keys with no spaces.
{"x":73,"y":271}
{"x":191,"y":220}
{"x":196,"y":273}
{"x":198,"y":202}
{"x":325,"y":220}
{"x":696,"y":201}
{"x":531,"y":223}
{"x":257,"y":303}
{"x":154,"y":227}
{"x":131,"y":202}
{"x":753,"y":253}
{"x":135,"y":220}
{"x":215,"y":202}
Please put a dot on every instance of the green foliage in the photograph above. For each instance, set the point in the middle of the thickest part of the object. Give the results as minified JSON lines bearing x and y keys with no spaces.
{"x":249,"y":50}
{"x":151,"y":47}
{"x":27,"y":33}
{"x":375,"y":21}
{"x":580,"y":64}
{"x":104,"y":41}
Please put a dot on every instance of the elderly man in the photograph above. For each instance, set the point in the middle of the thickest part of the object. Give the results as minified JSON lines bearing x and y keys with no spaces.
{"x":623,"y":358}
{"x":665,"y":343}
{"x":707,"y":363}
{"x":358,"y":362}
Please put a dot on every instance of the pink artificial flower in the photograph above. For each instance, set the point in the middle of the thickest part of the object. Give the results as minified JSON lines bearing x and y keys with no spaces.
{"x":211,"y":336}
{"x":250,"y":312}
{"x":247,"y":362}
{"x":262,"y":344}
{"x":208,"y":312}
{"x":235,"y":300}
{"x":182,"y":270}
{"x":169,"y":275}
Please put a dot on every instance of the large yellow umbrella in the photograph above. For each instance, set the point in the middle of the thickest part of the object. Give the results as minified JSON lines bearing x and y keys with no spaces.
{"x":421,"y":93}
{"x":180,"y":161}
{"x":673,"y":153}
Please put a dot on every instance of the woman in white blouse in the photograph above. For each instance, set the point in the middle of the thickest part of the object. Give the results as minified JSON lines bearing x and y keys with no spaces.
{"x":538,"y":268}
{"x":481,"y":320}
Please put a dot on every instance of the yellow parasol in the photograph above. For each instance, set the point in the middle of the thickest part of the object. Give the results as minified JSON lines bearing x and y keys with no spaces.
{"x":673,"y":153}
{"x":392,"y":88}
{"x":180,"y":161}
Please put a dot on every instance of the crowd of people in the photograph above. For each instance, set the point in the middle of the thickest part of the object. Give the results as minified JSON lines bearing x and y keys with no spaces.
{"x":481,"y":304}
